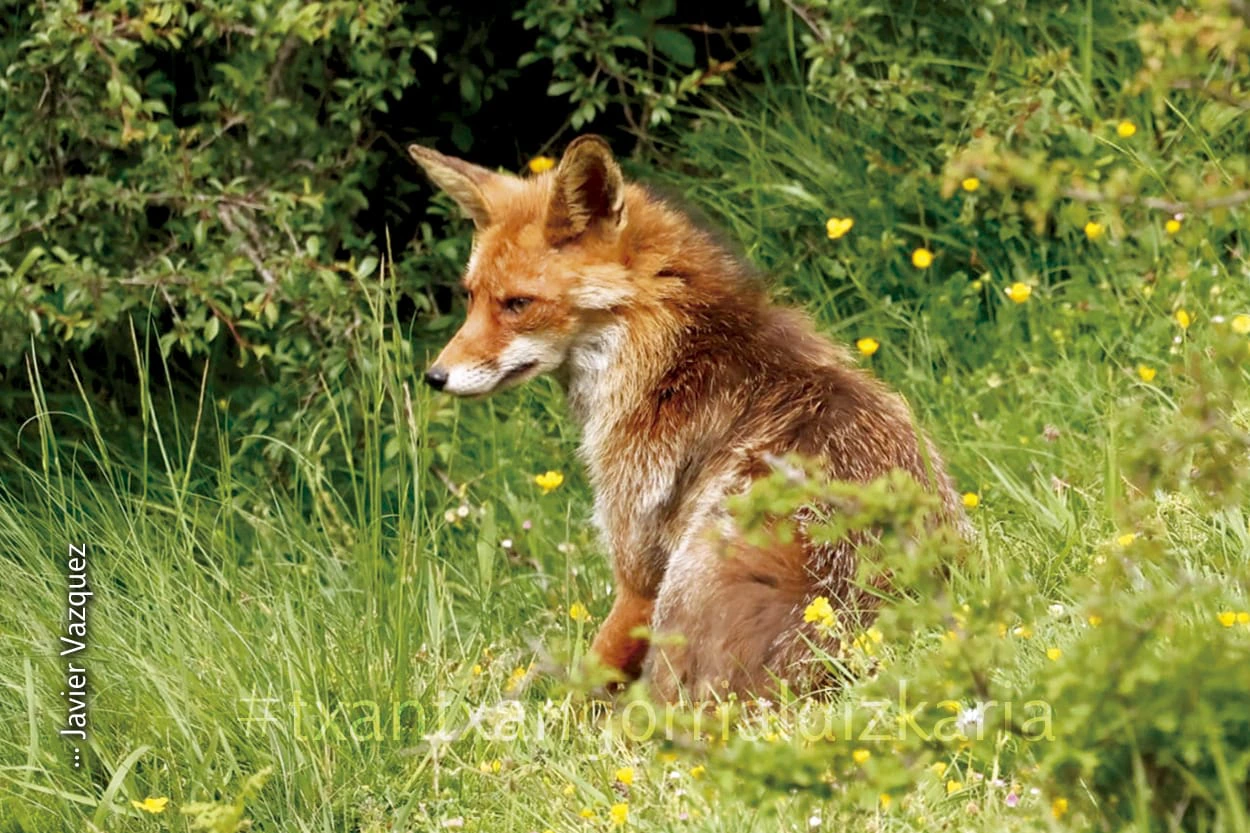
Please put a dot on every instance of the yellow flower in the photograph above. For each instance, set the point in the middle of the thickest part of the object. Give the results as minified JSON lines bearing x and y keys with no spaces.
{"x":1019,"y":292}
{"x":549,"y":481}
{"x":868,"y":346}
{"x":1183,"y":318}
{"x":1125,"y":129}
{"x":1053,"y":654}
{"x":1146,"y":372}
{"x":1243,"y":618}
{"x":938,"y":768}
{"x":1240,"y":324}
{"x":922,"y":258}
{"x":515,"y":679}
{"x":151,"y":805}
{"x":625,"y":775}
{"x":868,"y":641}
{"x":578,"y":612}
{"x":488,"y":767}
{"x":1172,"y":226}
{"x":1126,"y":539}
{"x":619,"y":813}
{"x":971,"y":184}
{"x":971,"y":500}
{"x":1094,"y":620}
{"x":820,"y":612}
{"x":1227,"y":618}
{"x":1059,"y":808}
{"x":861,"y":756}
{"x":953,"y":786}
{"x":837,"y":227}
{"x":1094,"y":230}
{"x":569,"y":789}
{"x":477,"y":670}
{"x":541,"y":163}
{"x":885,"y":800}
{"x":586,"y":813}
{"x":698,"y":771}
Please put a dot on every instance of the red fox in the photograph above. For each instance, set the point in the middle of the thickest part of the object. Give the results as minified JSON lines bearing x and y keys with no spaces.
{"x":687,"y":382}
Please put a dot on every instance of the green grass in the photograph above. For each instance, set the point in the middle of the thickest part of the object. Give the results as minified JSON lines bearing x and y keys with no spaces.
{"x":224,"y":603}
{"x":346,"y":623}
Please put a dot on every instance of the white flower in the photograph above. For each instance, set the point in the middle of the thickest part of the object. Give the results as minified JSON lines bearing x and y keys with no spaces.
{"x":971,"y":718}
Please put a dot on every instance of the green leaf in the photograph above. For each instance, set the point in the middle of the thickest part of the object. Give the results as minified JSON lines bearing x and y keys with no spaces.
{"x":657,"y":9}
{"x":367,"y":266}
{"x":27,"y":262}
{"x":211,"y":328}
{"x":676,"y":46}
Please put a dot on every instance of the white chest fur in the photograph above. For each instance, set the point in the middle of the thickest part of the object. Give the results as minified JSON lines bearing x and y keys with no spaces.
{"x":632,"y":476}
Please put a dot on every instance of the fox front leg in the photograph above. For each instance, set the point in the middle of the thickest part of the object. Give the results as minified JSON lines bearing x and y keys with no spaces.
{"x":618,"y":646}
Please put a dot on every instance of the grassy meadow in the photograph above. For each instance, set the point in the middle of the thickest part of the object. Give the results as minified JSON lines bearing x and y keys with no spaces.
{"x":386,"y":634}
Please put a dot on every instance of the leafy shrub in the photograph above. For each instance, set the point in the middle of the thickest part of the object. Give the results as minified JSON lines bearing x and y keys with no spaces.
{"x":628,"y":54}
{"x":203,"y":163}
{"x":229,"y":179}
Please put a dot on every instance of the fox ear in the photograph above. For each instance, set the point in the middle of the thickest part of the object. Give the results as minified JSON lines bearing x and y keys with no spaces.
{"x":588,"y":189}
{"x":464,"y":182}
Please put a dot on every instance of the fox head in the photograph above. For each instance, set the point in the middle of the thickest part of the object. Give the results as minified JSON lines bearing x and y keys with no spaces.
{"x":550,"y":261}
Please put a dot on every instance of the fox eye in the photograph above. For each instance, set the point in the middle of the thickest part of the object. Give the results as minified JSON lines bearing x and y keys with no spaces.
{"x":517,"y":304}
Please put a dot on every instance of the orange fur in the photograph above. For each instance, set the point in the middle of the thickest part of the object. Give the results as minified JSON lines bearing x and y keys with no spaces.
{"x":685,"y":379}
{"x":618,"y":644}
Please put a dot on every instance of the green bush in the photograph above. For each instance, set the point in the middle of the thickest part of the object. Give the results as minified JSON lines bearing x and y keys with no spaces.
{"x":228,"y":179}
{"x":607,"y":55}
{"x":199,"y":165}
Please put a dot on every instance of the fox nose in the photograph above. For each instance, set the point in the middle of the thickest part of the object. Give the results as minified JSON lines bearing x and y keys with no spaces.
{"x":436,"y":377}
